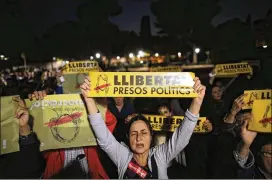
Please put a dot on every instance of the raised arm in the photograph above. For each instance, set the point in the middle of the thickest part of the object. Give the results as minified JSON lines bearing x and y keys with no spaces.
{"x":180,"y":138}
{"x":237,"y":106}
{"x":104,"y":137}
{"x":243,"y":155}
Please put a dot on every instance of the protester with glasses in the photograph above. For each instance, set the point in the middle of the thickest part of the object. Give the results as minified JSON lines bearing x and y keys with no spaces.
{"x":260,"y":165}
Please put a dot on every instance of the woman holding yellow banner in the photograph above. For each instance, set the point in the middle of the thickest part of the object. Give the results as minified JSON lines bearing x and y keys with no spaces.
{"x":140,"y":160}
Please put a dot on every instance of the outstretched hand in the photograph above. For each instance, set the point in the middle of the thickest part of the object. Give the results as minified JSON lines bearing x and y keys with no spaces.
{"x":85,"y":89}
{"x":208,"y":125}
{"x":199,"y":89}
{"x":22,"y":114}
{"x":197,"y":101}
{"x":247,"y":135}
{"x":38,"y":95}
{"x":238,"y":104}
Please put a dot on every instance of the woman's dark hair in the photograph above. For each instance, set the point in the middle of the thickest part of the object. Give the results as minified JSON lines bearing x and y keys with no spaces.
{"x":139,"y":117}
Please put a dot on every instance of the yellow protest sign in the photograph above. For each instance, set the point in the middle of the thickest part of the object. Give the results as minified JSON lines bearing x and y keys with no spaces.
{"x":256,"y":95}
{"x":142,"y":84}
{"x":166,"y":69}
{"x":74,"y":74}
{"x":80,"y":67}
{"x":163,"y":123}
{"x":9,"y":129}
{"x":231,"y":70}
{"x":60,"y":121}
{"x":262,"y":116}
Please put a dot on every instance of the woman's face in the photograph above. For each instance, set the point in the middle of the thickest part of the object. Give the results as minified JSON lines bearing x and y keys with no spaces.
{"x":119,"y":101}
{"x":139,"y":137}
{"x":217,"y":93}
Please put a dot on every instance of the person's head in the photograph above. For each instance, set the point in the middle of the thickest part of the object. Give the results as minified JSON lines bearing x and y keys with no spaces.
{"x":219,"y":83}
{"x":119,"y":101}
{"x":139,"y":134}
{"x":217,"y":93}
{"x":266,"y":157}
{"x":164,"y":111}
{"x":265,"y":153}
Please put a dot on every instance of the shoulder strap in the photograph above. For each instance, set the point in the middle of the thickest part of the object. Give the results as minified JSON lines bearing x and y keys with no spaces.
{"x":154,"y":168}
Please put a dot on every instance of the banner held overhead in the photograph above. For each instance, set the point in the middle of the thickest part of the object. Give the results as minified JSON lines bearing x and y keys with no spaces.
{"x":142,"y":84}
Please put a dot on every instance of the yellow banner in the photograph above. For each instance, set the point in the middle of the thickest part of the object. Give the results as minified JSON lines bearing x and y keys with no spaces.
{"x":9,"y":130}
{"x":166,"y":69}
{"x":231,"y":70}
{"x":72,"y":82}
{"x":256,"y":95}
{"x":80,"y":67}
{"x":74,"y":75}
{"x":142,"y":84}
{"x":262,"y":116}
{"x":163,"y":123}
{"x":60,"y":121}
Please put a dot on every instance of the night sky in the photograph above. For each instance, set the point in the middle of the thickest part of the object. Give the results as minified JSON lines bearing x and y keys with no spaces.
{"x":45,"y":13}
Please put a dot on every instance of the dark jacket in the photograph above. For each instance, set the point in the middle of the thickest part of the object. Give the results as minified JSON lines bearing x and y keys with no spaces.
{"x":28,"y":163}
{"x":252,"y":173}
{"x":127,"y":110}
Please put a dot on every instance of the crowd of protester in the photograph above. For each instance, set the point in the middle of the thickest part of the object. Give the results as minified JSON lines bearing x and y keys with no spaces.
{"x":126,"y":139}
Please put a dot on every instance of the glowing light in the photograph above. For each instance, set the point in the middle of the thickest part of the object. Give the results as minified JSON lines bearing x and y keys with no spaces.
{"x":197,"y":50}
{"x":67,"y":62}
{"x":157,"y":55}
{"x":131,"y":55}
{"x":118,"y":57}
{"x":91,"y":58}
{"x":179,"y":54}
{"x":97,"y":55}
{"x":141,"y":53}
{"x":265,"y":46}
{"x":54,"y":58}
{"x":141,"y":61}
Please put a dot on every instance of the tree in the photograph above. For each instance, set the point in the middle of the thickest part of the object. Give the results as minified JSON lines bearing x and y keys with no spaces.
{"x":235,"y":40}
{"x":63,"y":40}
{"x":15,"y":35}
{"x":92,"y":32}
{"x":187,"y":20}
{"x":94,"y":19}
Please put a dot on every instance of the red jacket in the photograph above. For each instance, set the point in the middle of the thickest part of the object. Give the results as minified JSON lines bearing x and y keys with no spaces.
{"x":55,"y":159}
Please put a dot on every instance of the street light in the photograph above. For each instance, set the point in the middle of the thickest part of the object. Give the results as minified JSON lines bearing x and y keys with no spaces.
{"x":118,"y":57}
{"x":131,"y":55}
{"x":91,"y":58}
{"x":179,"y":54}
{"x":197,"y":50}
{"x":157,"y":55}
{"x":97,"y":55}
{"x":141,"y":53}
{"x":5,"y":58}
{"x":265,"y":46}
{"x":2,"y":56}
